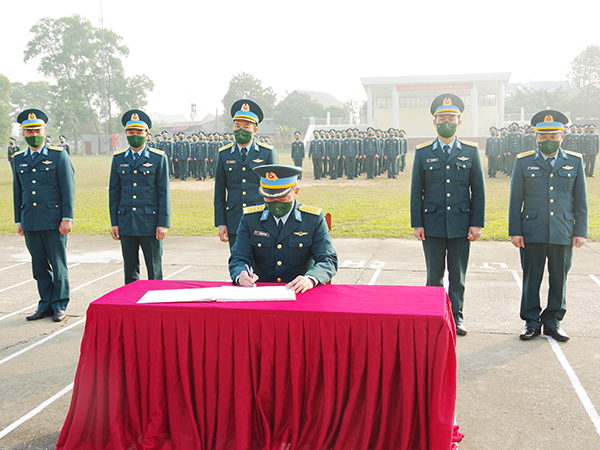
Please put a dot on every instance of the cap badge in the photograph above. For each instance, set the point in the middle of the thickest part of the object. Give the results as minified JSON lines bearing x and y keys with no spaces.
{"x":447,"y":102}
{"x":134,"y":116}
{"x":271,"y":176}
{"x":245,"y":107}
{"x":32,"y":116}
{"x":548,"y":119}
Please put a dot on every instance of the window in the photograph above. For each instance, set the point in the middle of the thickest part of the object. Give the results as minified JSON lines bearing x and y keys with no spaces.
{"x":410,"y":102}
{"x":487,"y":100}
{"x":383,"y":102}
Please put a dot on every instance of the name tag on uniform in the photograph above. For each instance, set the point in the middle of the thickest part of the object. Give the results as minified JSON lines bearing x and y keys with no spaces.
{"x":231,"y":161}
{"x":124,"y":165}
{"x":23,"y":165}
{"x":261,"y":233}
{"x":533,"y":168}
{"x":432,"y":160}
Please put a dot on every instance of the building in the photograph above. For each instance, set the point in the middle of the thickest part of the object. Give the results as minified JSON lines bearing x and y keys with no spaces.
{"x":404,"y":101}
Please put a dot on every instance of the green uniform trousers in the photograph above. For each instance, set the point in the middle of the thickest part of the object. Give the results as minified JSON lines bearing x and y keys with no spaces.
{"x":533,"y":260}
{"x":152,"y":250}
{"x":454,"y":252}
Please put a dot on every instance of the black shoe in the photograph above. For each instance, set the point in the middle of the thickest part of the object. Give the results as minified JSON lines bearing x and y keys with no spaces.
{"x":59,"y":315}
{"x":39,"y":314}
{"x":529,"y":333}
{"x":556,"y":333}
{"x":460,"y":329}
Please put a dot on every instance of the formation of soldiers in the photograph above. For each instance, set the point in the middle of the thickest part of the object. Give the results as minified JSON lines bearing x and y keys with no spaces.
{"x":194,"y":156}
{"x":353,"y":153}
{"x":505,"y":144}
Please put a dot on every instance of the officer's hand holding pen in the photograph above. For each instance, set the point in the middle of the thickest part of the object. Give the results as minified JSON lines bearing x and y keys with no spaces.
{"x":246,"y":278}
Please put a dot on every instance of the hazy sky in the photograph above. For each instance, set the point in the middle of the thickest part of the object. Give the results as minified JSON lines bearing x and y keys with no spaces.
{"x":190,"y":49}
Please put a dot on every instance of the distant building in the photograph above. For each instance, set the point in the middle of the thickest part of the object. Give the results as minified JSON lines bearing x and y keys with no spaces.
{"x":404,"y":101}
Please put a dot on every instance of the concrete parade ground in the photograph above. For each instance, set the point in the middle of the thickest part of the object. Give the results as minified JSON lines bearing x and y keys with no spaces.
{"x":511,"y":394}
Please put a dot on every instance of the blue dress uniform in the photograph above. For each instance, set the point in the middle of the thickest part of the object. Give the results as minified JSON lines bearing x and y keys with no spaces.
{"x":350,"y":152}
{"x":548,"y":207}
{"x":513,"y":145}
{"x":298,"y":243}
{"x":12,"y":149}
{"x":202,"y":158}
{"x":316,"y":151}
{"x":43,"y":196}
{"x":298,"y":152}
{"x":63,"y":144}
{"x":139,"y":203}
{"x":493,"y":151}
{"x":447,"y":198}
{"x":333,"y":154}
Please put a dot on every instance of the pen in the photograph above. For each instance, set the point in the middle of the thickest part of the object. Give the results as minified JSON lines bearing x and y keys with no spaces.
{"x":248,"y":272}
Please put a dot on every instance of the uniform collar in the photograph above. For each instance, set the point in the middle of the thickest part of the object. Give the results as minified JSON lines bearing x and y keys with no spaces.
{"x":43,"y":150}
{"x":144,"y":151}
{"x":560,"y":153}
{"x":453,"y":145}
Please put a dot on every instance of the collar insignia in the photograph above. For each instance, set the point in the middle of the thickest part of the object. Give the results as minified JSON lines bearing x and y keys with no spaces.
{"x":301,"y":233}
{"x":147,"y":165}
{"x":46,"y":162}
{"x":462,"y":158}
{"x":258,"y":161}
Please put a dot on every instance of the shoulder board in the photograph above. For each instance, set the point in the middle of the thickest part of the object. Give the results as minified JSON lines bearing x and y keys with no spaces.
{"x":225,"y":147}
{"x":251,"y":209}
{"x":157,"y":151}
{"x":569,"y":152}
{"x":118,"y":152}
{"x":18,"y":153}
{"x":262,"y":144}
{"x":55,"y":147}
{"x":310,"y":209}
{"x":523,"y":154}
{"x":424,"y":144}
{"x":474,"y":144}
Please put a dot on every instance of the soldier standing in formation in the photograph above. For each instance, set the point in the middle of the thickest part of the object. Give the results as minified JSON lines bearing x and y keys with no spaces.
{"x":493,"y":152}
{"x":316,"y":151}
{"x":298,"y":152}
{"x":44,"y":202}
{"x":447,"y":205}
{"x":391,"y":153}
{"x":12,"y":149}
{"x":589,"y":147}
{"x":548,"y":217}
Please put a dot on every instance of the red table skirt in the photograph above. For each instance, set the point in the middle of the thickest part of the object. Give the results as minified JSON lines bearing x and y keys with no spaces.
{"x":207,"y":376}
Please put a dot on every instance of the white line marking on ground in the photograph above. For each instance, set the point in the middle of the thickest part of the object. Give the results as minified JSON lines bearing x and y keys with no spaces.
{"x":581,"y":393}
{"x":30,"y":280}
{"x":374,"y":277}
{"x":14,"y":265}
{"x":35,"y":411}
{"x":596,"y":280}
{"x":175,"y":273}
{"x":72,"y":290}
{"x":579,"y":390}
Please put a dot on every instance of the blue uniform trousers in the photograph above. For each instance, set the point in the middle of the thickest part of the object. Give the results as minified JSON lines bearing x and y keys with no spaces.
{"x":152,"y":249}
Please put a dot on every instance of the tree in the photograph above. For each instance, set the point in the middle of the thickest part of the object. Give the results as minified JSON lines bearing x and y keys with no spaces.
{"x":533,"y":100}
{"x":244,"y":85}
{"x":585,"y":78}
{"x":296,"y":110}
{"x":5,"y":113}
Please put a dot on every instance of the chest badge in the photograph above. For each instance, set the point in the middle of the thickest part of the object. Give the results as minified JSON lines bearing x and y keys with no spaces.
{"x":432,"y":160}
{"x":261,"y":233}
{"x":147,"y":165}
{"x":462,"y":158}
{"x":567,"y":167}
{"x":257,"y":161}
{"x":300,"y":233}
{"x":231,"y":161}
{"x":46,"y":162}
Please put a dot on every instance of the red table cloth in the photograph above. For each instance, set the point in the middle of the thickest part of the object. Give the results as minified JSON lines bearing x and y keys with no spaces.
{"x":343,"y":367}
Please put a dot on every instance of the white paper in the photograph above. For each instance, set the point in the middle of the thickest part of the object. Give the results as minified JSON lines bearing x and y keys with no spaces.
{"x":220,"y":294}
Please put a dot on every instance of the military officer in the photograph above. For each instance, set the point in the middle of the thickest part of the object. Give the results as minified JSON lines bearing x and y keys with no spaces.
{"x":281,"y":239}
{"x":493,"y":149}
{"x":332,"y":147}
{"x":298,"y":152}
{"x":139,"y":198}
{"x":236,"y":185}
{"x":44,"y":200}
{"x":350,"y":155}
{"x":316,"y":151}
{"x":547,"y":217}
{"x":403,"y":150}
{"x":370,"y":152}
{"x":513,"y":145}
{"x":213,"y":154}
{"x":570,"y":140}
{"x":447,"y":206}
{"x":529,"y":142}
{"x":63,"y":144}
{"x":202,"y":157}
{"x":12,"y":149}
{"x":391,"y":154}
{"x":589,"y":148}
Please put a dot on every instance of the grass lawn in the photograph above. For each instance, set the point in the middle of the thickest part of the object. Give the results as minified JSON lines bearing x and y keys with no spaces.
{"x":378,"y":208}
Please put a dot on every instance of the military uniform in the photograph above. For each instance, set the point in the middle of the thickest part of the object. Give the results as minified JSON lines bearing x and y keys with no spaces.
{"x":12,"y":149}
{"x":370,"y":147}
{"x":202,"y":159}
{"x":43,"y":196}
{"x":493,"y":151}
{"x":298,"y":154}
{"x":139,"y":203}
{"x":332,"y":148}
{"x":350,"y":153}
{"x":316,"y":151}
{"x":391,"y":152}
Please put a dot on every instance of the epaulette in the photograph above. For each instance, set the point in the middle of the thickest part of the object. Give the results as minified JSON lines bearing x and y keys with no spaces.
{"x":578,"y":155}
{"x":157,"y":151}
{"x":474,"y":144}
{"x":55,"y":147}
{"x":527,"y":153}
{"x":310,"y":210}
{"x":225,"y":147}
{"x":251,"y":209}
{"x":269,"y":146}
{"x":424,"y":144}
{"x":18,"y":153}
{"x":118,"y":152}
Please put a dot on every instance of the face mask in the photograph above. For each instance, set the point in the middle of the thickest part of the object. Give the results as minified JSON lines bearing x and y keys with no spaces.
{"x":549,"y":147}
{"x":279,"y":209}
{"x":242,"y":136}
{"x":446,"y":129}
{"x":136,"y":141}
{"x":34,"y":141}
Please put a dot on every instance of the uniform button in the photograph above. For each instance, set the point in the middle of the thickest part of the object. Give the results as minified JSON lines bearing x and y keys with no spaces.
{"x":243,"y":192}
{"x":134,"y":208}
{"x":279,"y":263}
{"x":448,"y":194}
{"x":551,"y":175}
{"x":279,"y":245}
{"x":552,"y":213}
{"x":527,"y":216}
{"x":135,"y":196}
{"x":279,"y":280}
{"x":33,"y":181}
{"x":301,"y":245}
{"x":134,"y":184}
{"x":33,"y":192}
{"x":448,"y":180}
{"x":123,"y":172}
{"x":135,"y":171}
{"x":230,"y":169}
{"x":259,"y":244}
{"x":425,"y":209}
{"x":244,"y":205}
{"x":34,"y":170}
{"x":551,"y":188}
{"x":448,"y":208}
{"x":533,"y":175}
{"x":568,"y":175}
{"x":551,"y":200}
{"x":243,"y":181}
{"x":35,"y":204}
{"x":447,"y":167}
{"x":243,"y":168}
{"x":47,"y":168}
{"x":431,"y":168}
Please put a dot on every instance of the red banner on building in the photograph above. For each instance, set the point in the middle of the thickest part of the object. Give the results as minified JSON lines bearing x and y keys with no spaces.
{"x":434,"y":87}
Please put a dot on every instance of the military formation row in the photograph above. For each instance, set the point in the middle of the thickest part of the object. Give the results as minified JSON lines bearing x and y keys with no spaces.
{"x":14,"y":148}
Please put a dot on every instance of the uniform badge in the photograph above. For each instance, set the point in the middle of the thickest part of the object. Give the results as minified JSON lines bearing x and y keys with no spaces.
{"x":46,"y":162}
{"x":147,"y":165}
{"x":231,"y":161}
{"x":567,"y":167}
{"x":261,"y":233}
{"x":300,"y":233}
{"x":432,"y":160}
{"x":124,"y":165}
{"x":257,"y":161}
{"x":23,"y":165}
{"x":533,"y":168}
{"x":462,"y":158}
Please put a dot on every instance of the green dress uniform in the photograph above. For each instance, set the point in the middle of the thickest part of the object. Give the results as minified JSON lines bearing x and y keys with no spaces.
{"x":447,"y":198}
{"x":548,"y":207}
{"x":202,"y":159}
{"x":12,"y":149}
{"x":493,"y":151}
{"x":350,"y":152}
{"x":303,"y":246}
{"x":236,"y":185}
{"x":298,"y":154}
{"x":391,"y":152}
{"x":332,"y":147}
{"x":370,"y":149}
{"x":316,"y":151}
{"x":44,"y":195}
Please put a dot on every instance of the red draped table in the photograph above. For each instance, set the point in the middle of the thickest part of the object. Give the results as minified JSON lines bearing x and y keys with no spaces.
{"x":343,"y":367}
